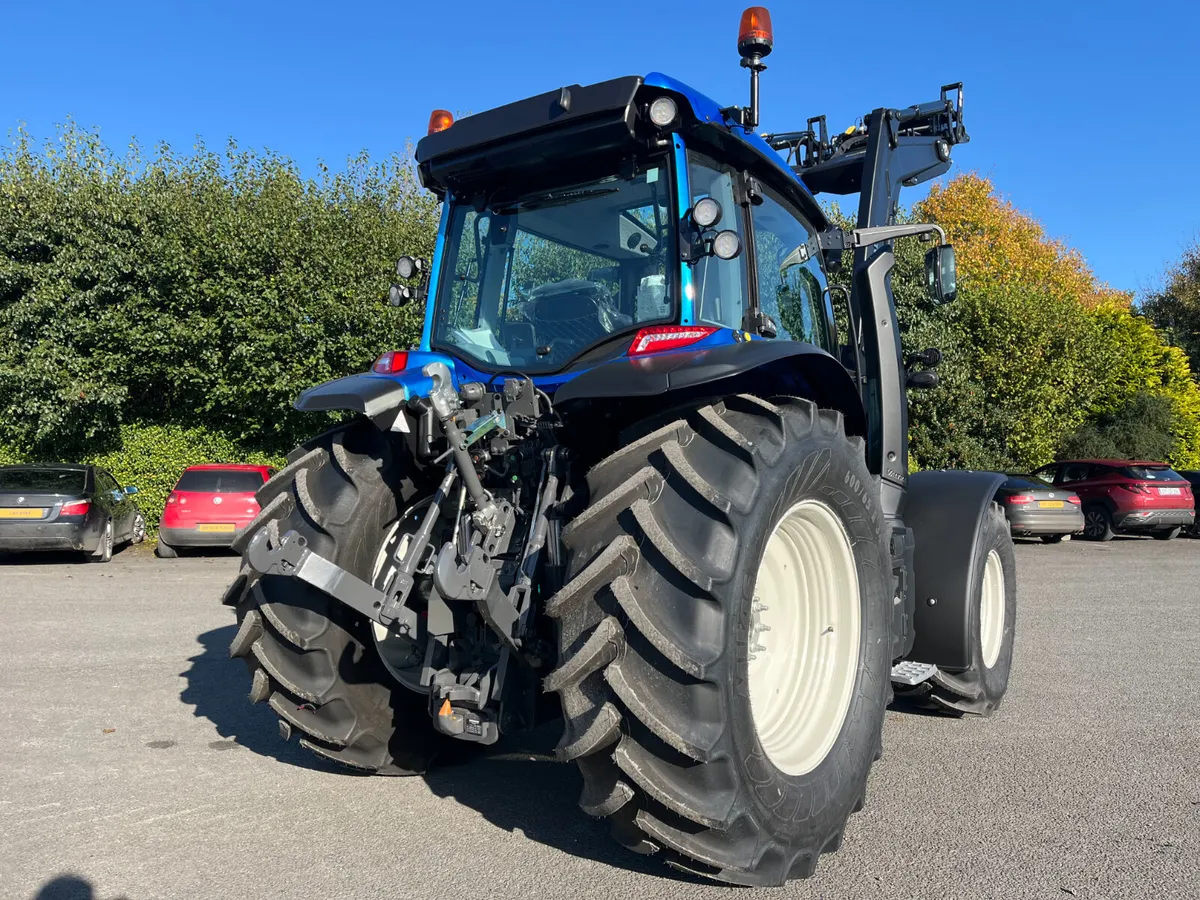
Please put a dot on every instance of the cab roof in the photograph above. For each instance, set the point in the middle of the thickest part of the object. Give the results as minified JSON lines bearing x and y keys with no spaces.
{"x":497,"y":145}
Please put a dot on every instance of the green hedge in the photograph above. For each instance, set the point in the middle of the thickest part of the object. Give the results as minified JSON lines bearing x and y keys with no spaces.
{"x":151,"y":457}
{"x":200,"y":288}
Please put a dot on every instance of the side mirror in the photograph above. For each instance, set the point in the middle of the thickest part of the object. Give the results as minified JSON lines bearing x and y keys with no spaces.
{"x":941,"y":274}
{"x":131,"y":490}
{"x":922,"y":380}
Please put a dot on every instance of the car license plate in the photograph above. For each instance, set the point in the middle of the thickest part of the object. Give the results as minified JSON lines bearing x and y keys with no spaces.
{"x":1050,"y":504}
{"x":1168,"y":492}
{"x":20,"y":513}
{"x":222,"y":528}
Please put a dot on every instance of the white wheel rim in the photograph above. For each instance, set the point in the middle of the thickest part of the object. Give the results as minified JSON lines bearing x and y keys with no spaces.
{"x":400,"y":655}
{"x":991,"y":609}
{"x":805,"y":630}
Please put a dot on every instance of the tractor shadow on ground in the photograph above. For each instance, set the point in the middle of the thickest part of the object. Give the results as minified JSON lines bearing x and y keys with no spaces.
{"x":516,"y":785}
{"x":217,"y":689}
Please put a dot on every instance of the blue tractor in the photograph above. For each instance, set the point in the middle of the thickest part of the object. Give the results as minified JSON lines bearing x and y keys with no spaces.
{"x":636,"y":475}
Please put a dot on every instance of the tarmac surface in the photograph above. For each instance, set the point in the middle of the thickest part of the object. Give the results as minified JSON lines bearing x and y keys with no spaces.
{"x":132,"y":764}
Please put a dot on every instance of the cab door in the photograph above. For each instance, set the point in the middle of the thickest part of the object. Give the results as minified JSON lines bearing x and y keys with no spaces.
{"x":787,"y":271}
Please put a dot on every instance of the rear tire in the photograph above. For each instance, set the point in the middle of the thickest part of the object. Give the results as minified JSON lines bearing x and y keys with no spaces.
{"x":1053,"y":538}
{"x":1167,"y":534}
{"x":104,"y":550}
{"x":163,"y":550}
{"x":310,"y":657}
{"x":681,"y":723}
{"x":1097,"y":524}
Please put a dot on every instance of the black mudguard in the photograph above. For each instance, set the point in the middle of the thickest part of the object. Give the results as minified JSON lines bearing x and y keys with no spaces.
{"x":945,"y":510}
{"x":374,"y":397}
{"x":760,"y":367}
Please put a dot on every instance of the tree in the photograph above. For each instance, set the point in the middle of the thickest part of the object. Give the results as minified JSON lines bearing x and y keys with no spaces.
{"x":997,"y":243}
{"x":1175,"y":308}
{"x":1141,"y":428}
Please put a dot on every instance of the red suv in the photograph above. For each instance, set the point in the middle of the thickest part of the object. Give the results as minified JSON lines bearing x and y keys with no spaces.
{"x":209,"y":507}
{"x":1126,"y":496}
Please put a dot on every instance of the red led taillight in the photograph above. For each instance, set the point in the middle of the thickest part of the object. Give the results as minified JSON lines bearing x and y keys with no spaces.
{"x":391,"y":362}
{"x":667,"y":337}
{"x":1019,"y":499}
{"x":75,"y":508}
{"x":1073,"y":499}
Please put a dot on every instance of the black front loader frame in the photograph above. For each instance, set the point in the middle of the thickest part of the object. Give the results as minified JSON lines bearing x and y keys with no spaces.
{"x":934,"y":581}
{"x":893,"y":149}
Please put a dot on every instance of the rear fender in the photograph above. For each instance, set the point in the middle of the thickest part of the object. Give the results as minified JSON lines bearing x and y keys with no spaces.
{"x":378,"y":397}
{"x":946,"y":510}
{"x":761,"y":367}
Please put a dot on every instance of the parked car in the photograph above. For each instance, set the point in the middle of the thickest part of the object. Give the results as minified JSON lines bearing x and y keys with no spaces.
{"x":1126,"y":496}
{"x":67,"y":507}
{"x":1193,"y":478}
{"x":1037,"y":508}
{"x":209,"y":507}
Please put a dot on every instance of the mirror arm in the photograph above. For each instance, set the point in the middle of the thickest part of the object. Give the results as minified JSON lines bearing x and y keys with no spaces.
{"x":865,"y":237}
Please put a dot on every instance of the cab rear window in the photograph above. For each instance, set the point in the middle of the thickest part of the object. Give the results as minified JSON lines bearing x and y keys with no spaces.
{"x":219,"y":481}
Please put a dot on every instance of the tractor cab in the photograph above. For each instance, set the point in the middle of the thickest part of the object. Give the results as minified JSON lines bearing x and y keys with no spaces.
{"x":650,"y":234}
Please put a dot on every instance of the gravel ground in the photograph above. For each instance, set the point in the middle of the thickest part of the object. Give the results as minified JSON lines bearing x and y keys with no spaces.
{"x":131,"y":764}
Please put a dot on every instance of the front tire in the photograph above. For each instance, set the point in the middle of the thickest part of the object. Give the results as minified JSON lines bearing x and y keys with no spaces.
{"x":680,"y":708}
{"x":311,"y":658}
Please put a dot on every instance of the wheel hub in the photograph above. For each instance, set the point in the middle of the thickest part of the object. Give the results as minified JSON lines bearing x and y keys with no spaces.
{"x":991,"y":609}
{"x":804,"y":637}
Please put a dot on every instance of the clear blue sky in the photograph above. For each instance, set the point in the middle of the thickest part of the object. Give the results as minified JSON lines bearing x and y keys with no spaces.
{"x":1084,"y":114}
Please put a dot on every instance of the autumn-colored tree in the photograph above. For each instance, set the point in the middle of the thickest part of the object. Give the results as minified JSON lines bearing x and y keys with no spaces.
{"x":999,"y":244}
{"x":1036,"y":348}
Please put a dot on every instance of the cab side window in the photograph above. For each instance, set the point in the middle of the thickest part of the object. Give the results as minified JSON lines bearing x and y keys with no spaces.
{"x":791,"y":285}
{"x":718,"y":285}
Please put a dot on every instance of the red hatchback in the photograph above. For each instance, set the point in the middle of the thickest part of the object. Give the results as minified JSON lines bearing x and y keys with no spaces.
{"x":1126,"y":496}
{"x":210,"y":506}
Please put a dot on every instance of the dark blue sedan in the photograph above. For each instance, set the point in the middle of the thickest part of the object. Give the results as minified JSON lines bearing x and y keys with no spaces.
{"x":67,"y":507}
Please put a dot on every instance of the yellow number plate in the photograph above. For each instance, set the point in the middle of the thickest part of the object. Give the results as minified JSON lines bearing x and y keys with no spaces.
{"x":224,"y":528}
{"x":1050,"y":504}
{"x":16,"y":513}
